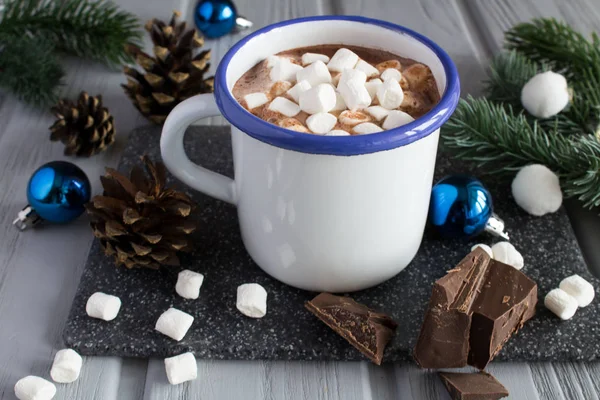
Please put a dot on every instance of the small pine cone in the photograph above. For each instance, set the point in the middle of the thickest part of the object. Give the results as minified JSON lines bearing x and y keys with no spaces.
{"x":139,"y":221}
{"x":85,"y":128}
{"x":173,"y":74}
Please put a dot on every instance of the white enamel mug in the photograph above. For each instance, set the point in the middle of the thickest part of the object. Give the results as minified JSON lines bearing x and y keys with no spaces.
{"x":322,"y":213}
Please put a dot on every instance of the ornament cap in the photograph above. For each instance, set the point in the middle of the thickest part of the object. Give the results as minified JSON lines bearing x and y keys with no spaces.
{"x":495,"y":226}
{"x":26,"y":218}
{"x":242,"y":23}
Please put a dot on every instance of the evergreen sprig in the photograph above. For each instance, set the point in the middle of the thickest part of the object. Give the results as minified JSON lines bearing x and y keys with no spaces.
{"x":93,"y":29}
{"x":498,"y":134}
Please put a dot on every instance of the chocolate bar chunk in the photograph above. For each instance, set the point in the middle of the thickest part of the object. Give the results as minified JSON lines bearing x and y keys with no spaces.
{"x":473,"y":311}
{"x":481,"y":386}
{"x":364,"y":328}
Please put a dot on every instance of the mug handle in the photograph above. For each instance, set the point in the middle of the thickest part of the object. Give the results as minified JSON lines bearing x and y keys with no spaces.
{"x":173,"y":153}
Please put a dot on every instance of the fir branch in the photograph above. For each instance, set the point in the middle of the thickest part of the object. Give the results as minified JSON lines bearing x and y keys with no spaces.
{"x":492,"y":135}
{"x":30,"y":69}
{"x":95,"y":29}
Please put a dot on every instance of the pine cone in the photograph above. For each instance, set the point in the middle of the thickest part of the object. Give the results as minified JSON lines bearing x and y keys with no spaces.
{"x":173,"y":74}
{"x":85,"y":128}
{"x":138,"y":220}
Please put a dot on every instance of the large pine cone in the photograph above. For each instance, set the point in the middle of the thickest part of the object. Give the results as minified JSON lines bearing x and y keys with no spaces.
{"x":173,"y":74}
{"x":85,"y":128}
{"x":138,"y":220}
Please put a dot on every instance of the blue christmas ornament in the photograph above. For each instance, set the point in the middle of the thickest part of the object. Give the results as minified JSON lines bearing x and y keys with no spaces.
{"x":56,"y":192}
{"x":461,"y":206}
{"x":216,"y":18}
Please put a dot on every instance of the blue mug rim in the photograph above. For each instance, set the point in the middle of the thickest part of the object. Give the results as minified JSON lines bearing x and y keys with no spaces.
{"x":274,"y":135}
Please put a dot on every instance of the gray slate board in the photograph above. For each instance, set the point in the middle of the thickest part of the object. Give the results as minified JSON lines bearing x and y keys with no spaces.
{"x":289,"y":332}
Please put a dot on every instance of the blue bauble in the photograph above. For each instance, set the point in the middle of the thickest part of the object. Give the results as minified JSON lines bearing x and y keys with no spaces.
{"x":460,"y":206}
{"x":58,"y":191}
{"x":215,"y":18}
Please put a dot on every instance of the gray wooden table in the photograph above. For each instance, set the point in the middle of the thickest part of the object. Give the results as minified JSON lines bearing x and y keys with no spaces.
{"x":40,"y":269}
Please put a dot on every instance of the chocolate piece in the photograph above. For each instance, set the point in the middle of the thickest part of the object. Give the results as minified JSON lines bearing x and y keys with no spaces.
{"x":473,"y":311}
{"x":481,"y":386}
{"x":365,"y":329}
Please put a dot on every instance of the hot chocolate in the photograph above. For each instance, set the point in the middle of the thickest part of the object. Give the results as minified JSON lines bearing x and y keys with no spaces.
{"x":337,"y":90}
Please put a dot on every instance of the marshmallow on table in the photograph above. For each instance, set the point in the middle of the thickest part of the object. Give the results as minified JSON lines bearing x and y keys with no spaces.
{"x":321,"y":123}
{"x":309,"y":58}
{"x":366,"y":128}
{"x":252,"y":300}
{"x":301,"y":86}
{"x":507,"y":254}
{"x":391,"y":73}
{"x":174,"y":323}
{"x":34,"y":388}
{"x":367,"y":68}
{"x":320,"y":98}
{"x":103,"y":306}
{"x":485,"y":248}
{"x":337,"y":132}
{"x":66,"y":366}
{"x":284,"y":106}
{"x":355,"y":94}
{"x":579,"y":288}
{"x":372,"y":87}
{"x":396,"y":118}
{"x":342,"y":59}
{"x":188,"y":284}
{"x":390,"y":94}
{"x":315,"y":73}
{"x":352,"y":118}
{"x":561,"y":303}
{"x":254,"y":100}
{"x":181,"y":368}
{"x":378,"y":112}
{"x":536,"y":189}
{"x":284,"y":70}
{"x":340,"y":104}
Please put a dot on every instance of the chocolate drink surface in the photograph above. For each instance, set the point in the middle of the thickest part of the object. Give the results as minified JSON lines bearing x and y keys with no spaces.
{"x":370,"y":90}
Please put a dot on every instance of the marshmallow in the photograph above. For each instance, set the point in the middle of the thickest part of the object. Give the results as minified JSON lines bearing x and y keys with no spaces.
{"x":181,"y":368}
{"x":66,"y":366}
{"x":382,"y":66}
{"x":579,"y":288}
{"x":103,"y":306}
{"x":390,"y":94}
{"x":321,"y":98}
{"x":561,"y":303}
{"x":372,"y":87}
{"x":396,"y":118}
{"x":284,"y":70}
{"x":321,"y":122}
{"x":378,"y":112}
{"x":352,"y":118}
{"x":337,"y":132}
{"x":391,"y":73}
{"x":353,"y":74}
{"x":536,"y":189}
{"x":279,"y":88}
{"x":252,"y":300}
{"x":367,"y":68}
{"x":254,"y":100}
{"x":366,"y":128}
{"x":340,"y":105}
{"x":34,"y":388}
{"x":174,"y":323}
{"x":342,"y":59}
{"x":485,"y":248}
{"x":545,"y":95}
{"x":355,"y":94}
{"x":188,"y":284}
{"x":301,"y":86}
{"x":419,"y":76}
{"x":284,"y":106}
{"x":273,"y":60}
{"x":507,"y":254}
{"x":315,"y":73}
{"x":294,"y":125}
{"x":309,"y":58}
